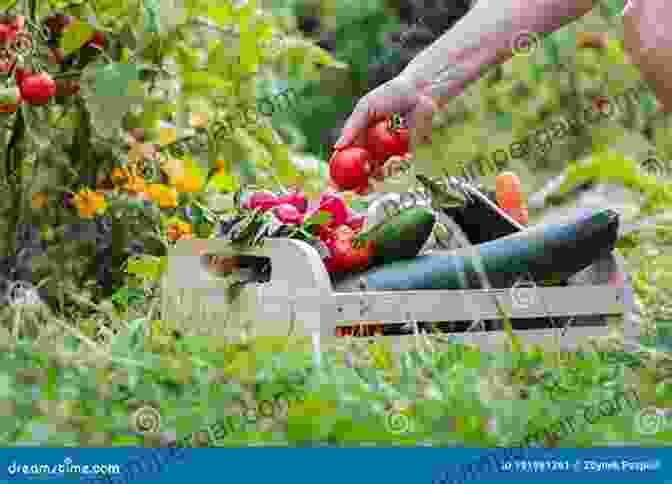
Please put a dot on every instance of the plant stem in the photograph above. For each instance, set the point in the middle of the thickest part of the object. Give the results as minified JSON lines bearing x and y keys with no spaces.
{"x":13,"y":167}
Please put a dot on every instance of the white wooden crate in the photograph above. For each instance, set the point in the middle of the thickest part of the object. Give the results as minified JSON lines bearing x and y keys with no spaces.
{"x":299,"y":300}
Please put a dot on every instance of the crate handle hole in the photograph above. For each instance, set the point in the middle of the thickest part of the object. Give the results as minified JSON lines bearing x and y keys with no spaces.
{"x":253,"y":268}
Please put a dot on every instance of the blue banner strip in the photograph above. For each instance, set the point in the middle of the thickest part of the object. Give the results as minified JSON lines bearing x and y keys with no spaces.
{"x":335,"y":465}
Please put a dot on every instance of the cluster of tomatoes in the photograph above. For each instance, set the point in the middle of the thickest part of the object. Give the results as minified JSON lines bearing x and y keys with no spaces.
{"x":352,"y":168}
{"x":36,"y":88}
{"x":337,"y":233}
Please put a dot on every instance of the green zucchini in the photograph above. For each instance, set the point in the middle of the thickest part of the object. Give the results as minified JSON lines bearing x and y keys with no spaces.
{"x":550,"y":251}
{"x":401,"y":236}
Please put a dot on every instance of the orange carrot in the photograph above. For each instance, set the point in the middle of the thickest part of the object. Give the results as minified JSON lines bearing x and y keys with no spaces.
{"x":510,"y":196}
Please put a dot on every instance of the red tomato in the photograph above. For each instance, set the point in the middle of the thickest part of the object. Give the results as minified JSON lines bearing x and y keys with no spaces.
{"x":7,"y":33}
{"x":20,"y":73}
{"x":350,"y":168}
{"x":384,"y":141}
{"x":346,"y":258}
{"x":37,"y":89}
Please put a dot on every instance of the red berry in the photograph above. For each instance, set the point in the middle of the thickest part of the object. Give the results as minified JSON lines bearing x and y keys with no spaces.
{"x":350,"y":168}
{"x":287,"y":214}
{"x":37,"y":89}
{"x":384,"y":141}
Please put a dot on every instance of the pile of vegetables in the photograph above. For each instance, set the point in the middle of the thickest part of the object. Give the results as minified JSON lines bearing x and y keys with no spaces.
{"x":336,"y":230}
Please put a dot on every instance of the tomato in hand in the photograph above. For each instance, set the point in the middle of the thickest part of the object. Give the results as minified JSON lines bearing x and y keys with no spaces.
{"x":350,"y":168}
{"x":383,"y":141}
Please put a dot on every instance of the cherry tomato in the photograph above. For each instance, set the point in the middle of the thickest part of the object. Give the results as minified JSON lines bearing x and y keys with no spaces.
{"x":7,"y":33}
{"x":384,"y":141}
{"x":37,"y":89}
{"x":350,"y":168}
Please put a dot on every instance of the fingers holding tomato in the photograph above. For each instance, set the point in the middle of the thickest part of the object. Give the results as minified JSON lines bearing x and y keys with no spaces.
{"x":385,"y":141}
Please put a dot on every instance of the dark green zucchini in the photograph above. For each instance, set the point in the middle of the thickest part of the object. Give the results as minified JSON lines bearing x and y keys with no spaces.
{"x":401,"y":236}
{"x":552,"y":251}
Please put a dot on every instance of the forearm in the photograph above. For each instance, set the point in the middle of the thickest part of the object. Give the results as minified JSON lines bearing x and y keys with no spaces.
{"x":483,"y":38}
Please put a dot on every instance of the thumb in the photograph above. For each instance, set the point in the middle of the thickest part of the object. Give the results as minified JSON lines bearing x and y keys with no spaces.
{"x":356,"y":123}
{"x":420,"y":121}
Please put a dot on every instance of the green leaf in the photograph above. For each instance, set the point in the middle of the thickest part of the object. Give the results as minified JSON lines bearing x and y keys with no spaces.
{"x":249,"y":49}
{"x":145,"y":266}
{"x":320,"y":218}
{"x":7,"y":4}
{"x":225,"y":182}
{"x":204,"y":83}
{"x":223,"y":15}
{"x":75,"y":35}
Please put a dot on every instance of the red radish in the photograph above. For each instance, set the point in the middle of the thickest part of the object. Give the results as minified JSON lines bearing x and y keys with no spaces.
{"x":350,"y":168}
{"x":263,"y":200}
{"x":356,"y":222}
{"x":297,"y":199}
{"x":384,"y":141}
{"x":332,"y":203}
{"x":288,"y":214}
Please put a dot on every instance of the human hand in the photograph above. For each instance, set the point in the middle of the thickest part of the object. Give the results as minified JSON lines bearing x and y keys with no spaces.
{"x":399,"y":95}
